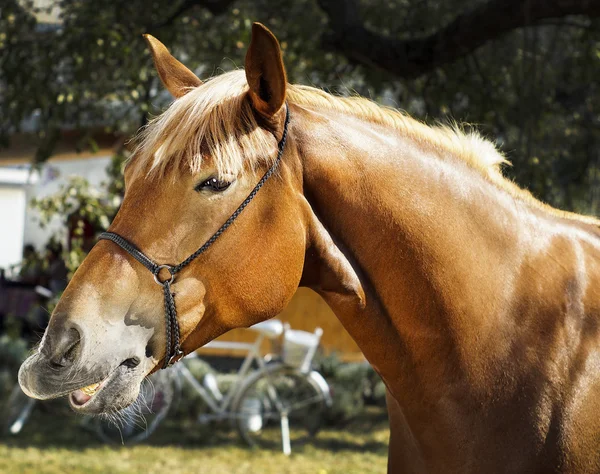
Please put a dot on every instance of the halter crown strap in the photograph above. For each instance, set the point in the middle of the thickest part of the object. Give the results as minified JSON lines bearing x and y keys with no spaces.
{"x":173,"y":350}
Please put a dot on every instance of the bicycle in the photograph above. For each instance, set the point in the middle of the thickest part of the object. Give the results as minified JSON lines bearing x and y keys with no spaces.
{"x":18,"y":409}
{"x":279,"y":402}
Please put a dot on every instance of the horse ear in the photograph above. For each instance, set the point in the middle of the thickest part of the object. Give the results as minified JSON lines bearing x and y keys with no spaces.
{"x":177,"y":78}
{"x":265,"y":72}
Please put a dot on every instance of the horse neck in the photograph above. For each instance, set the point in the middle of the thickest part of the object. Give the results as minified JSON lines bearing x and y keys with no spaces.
{"x":434,"y":244}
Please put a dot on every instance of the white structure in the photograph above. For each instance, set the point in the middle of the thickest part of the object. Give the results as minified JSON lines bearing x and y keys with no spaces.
{"x":12,"y":214}
{"x":19,"y":225}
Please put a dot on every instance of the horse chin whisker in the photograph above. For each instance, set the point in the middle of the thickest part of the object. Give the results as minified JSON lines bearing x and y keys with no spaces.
{"x":132,"y":414}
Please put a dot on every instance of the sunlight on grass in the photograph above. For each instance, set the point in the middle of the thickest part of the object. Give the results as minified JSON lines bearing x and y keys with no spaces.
{"x":158,"y":460}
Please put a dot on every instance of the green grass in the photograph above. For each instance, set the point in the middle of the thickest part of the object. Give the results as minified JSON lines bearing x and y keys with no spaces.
{"x":54,"y":442}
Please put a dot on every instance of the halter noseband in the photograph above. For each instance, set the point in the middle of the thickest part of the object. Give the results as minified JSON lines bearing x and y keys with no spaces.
{"x":173,"y":351}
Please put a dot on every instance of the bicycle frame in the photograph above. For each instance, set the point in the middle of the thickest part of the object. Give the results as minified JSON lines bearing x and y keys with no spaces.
{"x":220,"y":408}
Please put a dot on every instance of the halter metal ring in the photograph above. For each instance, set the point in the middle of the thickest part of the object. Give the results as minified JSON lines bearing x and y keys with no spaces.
{"x":157,"y":271}
{"x":175,"y":358}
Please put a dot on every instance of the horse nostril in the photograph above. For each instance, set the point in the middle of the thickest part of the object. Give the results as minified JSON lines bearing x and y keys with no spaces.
{"x":131,"y":363}
{"x":66,"y":349}
{"x":148,"y":351}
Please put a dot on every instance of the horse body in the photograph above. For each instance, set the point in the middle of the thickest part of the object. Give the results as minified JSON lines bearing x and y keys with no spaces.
{"x":477,"y":305}
{"x":481,"y":312}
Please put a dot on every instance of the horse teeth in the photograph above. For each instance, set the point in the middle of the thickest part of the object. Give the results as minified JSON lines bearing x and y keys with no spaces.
{"x":90,"y":389}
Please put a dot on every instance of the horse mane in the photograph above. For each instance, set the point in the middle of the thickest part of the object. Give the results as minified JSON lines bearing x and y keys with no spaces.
{"x":216,"y":120}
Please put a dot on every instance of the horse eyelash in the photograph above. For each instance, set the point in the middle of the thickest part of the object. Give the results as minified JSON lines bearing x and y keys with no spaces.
{"x":207,"y":184}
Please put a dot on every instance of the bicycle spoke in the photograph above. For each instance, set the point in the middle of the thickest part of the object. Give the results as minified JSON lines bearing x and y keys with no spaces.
{"x":304,"y":403}
{"x":280,"y":409}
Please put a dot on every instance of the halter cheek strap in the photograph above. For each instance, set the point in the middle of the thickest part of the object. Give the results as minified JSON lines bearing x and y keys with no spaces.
{"x":173,"y":348}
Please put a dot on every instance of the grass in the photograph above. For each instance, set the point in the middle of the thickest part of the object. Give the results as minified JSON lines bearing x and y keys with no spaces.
{"x":54,"y":442}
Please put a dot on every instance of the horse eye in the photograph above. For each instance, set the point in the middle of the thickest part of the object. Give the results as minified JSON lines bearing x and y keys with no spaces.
{"x":213,"y":184}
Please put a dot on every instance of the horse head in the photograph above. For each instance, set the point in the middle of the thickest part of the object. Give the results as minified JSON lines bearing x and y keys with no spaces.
{"x":192,"y":168}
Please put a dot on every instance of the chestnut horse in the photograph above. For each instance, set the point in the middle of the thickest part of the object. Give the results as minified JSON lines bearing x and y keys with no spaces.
{"x":478,"y":305}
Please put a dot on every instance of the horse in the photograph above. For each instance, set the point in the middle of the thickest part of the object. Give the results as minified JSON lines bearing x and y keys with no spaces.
{"x":477,"y":304}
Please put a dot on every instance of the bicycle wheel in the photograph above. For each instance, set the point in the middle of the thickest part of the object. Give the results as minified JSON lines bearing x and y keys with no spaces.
{"x":17,"y":411}
{"x":138,"y":422}
{"x":277,"y":397}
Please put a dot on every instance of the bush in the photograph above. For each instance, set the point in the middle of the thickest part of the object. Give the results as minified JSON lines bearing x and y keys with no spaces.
{"x":199,"y":367}
{"x":13,"y":351}
{"x":7,"y":382}
{"x":353,"y":385}
{"x":189,"y":403}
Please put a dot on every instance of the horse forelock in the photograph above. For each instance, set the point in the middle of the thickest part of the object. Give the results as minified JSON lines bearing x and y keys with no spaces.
{"x":213,"y":120}
{"x":216,"y":119}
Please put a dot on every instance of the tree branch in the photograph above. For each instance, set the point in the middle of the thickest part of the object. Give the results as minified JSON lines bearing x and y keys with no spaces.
{"x":216,"y":7}
{"x":467,"y":32}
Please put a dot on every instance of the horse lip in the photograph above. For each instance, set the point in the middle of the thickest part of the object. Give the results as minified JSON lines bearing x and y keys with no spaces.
{"x":30,"y":374}
{"x":78,"y":407}
{"x":91,"y":405}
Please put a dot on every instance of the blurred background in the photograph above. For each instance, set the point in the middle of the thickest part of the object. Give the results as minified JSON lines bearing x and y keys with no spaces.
{"x":76,"y":82}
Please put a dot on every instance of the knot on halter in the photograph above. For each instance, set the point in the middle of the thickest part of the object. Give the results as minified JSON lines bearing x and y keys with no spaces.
{"x":173,"y":351}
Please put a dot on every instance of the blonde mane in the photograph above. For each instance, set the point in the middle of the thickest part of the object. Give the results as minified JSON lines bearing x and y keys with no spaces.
{"x":216,"y":120}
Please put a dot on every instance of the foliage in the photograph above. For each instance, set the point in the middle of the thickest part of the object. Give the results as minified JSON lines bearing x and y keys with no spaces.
{"x":189,"y":404}
{"x":7,"y":382}
{"x":78,"y":204}
{"x":13,"y":352}
{"x":534,"y":89}
{"x":353,"y":385}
